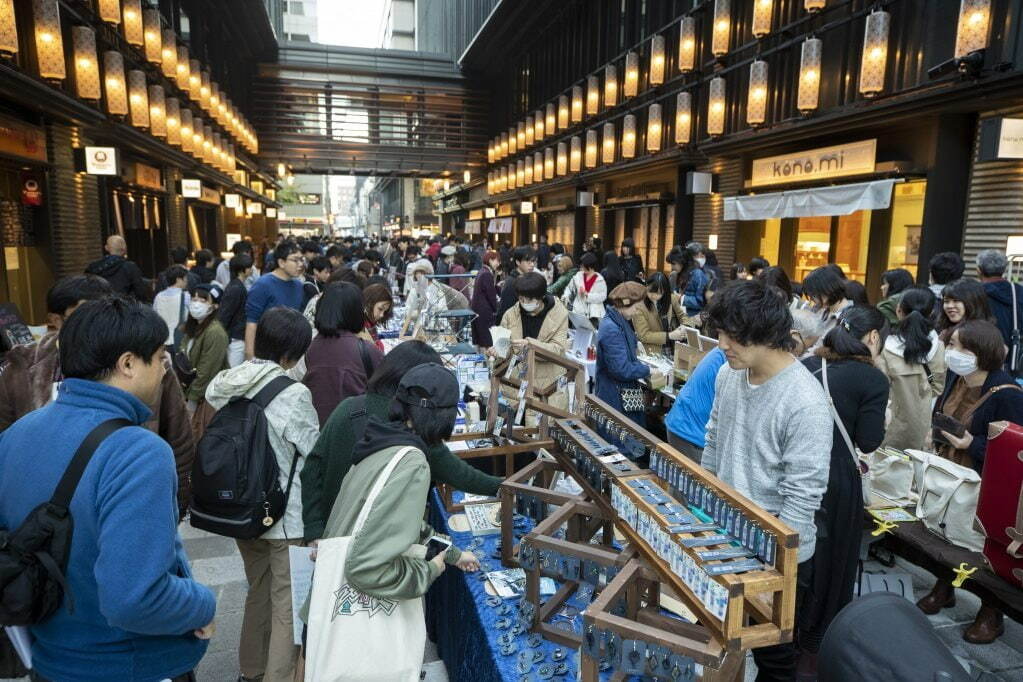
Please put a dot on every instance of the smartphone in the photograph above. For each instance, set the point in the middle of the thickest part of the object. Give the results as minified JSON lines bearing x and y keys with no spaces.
{"x":435,"y":545}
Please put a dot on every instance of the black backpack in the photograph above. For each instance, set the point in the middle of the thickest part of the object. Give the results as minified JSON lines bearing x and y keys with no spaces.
{"x":236,"y":488}
{"x":33,"y":558}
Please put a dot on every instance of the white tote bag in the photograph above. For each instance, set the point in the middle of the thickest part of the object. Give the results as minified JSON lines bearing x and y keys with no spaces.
{"x":891,"y":476}
{"x":355,"y":637}
{"x":948,"y":501}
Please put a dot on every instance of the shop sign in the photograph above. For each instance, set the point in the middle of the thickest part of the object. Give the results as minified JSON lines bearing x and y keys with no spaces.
{"x":31,"y":190}
{"x":210,"y":196}
{"x":472,"y":227}
{"x":1001,"y":139}
{"x":271,"y":212}
{"x":310,"y":199}
{"x":500,"y":226}
{"x":232,"y":200}
{"x":855,"y":158}
{"x":191,"y":188}
{"x":148,"y":176}
{"x":101,"y":161}
{"x":22,"y":140}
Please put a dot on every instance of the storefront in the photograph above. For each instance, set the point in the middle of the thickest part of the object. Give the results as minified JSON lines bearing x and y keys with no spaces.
{"x":641,"y":207}
{"x":134,"y":204}
{"x":204,"y":215}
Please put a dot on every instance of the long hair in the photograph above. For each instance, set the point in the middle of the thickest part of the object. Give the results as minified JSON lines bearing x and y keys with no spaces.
{"x":853,"y":324}
{"x":193,"y":327}
{"x":657,"y":282}
{"x":916,"y":307}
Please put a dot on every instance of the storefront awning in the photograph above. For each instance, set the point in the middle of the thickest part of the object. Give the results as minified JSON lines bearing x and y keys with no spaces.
{"x":811,"y":202}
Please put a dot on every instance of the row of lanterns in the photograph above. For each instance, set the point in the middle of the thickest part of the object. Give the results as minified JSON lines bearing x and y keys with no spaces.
{"x":570,"y":156}
{"x":129,"y":94}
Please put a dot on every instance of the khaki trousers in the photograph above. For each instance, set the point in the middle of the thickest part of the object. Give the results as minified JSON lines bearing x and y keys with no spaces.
{"x":267,"y":648}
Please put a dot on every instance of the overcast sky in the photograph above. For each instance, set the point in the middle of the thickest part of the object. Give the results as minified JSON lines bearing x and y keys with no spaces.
{"x":355,"y":23}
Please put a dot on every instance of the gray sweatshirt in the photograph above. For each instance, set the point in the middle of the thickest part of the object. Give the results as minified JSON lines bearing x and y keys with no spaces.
{"x":772,"y":443}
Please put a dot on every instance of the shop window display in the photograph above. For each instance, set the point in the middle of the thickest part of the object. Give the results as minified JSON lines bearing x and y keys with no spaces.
{"x":907,"y":222}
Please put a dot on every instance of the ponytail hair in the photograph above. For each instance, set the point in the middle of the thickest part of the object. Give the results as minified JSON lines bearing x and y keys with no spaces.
{"x":853,"y":324}
{"x":915,"y":327}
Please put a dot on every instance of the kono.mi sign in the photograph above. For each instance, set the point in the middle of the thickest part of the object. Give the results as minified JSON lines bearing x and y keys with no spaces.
{"x":855,"y":158}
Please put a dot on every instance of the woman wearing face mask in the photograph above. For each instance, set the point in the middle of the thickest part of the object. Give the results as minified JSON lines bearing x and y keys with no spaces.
{"x":977,"y":392}
{"x":694,"y":279}
{"x":962,"y":300}
{"x":661,"y":310}
{"x":631,"y":263}
{"x":618,"y":367}
{"x":205,"y":341}
{"x":859,"y":391}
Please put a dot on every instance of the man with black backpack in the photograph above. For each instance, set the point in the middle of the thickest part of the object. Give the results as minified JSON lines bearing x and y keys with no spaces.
{"x":119,"y":602}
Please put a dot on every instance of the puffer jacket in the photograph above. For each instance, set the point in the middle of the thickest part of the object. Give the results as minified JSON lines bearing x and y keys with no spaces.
{"x":588,"y":305}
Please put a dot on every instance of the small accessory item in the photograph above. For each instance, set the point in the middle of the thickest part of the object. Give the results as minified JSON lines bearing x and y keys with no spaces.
{"x":183,"y":368}
{"x":632,"y":400}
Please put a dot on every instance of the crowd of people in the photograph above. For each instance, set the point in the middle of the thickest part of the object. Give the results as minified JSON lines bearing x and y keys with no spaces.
{"x":805,"y":377}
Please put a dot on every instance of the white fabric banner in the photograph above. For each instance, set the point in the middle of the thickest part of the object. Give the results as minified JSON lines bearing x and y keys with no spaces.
{"x":811,"y":202}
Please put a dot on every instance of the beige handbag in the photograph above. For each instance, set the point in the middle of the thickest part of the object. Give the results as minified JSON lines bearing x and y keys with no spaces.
{"x":948,"y":501}
{"x":891,"y":476}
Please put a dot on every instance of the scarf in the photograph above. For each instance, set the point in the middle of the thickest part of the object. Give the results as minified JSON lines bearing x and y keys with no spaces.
{"x":588,"y":282}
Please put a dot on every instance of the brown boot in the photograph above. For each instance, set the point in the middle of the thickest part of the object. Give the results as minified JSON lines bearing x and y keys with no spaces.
{"x":942,"y":596}
{"x":987,"y":626}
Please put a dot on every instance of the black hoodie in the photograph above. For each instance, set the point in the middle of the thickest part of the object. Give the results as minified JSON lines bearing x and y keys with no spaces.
{"x":123,"y":275}
{"x":380,"y":435}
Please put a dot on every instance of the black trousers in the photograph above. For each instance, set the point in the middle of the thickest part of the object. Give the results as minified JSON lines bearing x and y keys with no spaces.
{"x":778,"y":663}
{"x":187,"y":677}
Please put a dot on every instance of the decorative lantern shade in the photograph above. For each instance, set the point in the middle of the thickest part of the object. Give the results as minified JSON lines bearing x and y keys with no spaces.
{"x":87,"y":85}
{"x":520,"y":173}
{"x":195,"y":80}
{"x":109,"y":11}
{"x":716,"y":107}
{"x":169,"y":54}
{"x":537,"y":166}
{"x":814,"y":5}
{"x":490,"y":182}
{"x":503,"y":153}
{"x":138,"y":99}
{"x":562,"y":112}
{"x":548,"y":163}
{"x":49,"y":44}
{"x":153,"y":35}
{"x":593,"y":95}
{"x":551,"y":126}
{"x":562,"y":158}
{"x":157,"y":111}
{"x":113,"y":75}
{"x":591,"y":149}
{"x":511,"y":176}
{"x":575,"y":155}
{"x":527,"y":170}
{"x":762,"y":10}
{"x":187,"y":143}
{"x":756,"y":102}
{"x":631,"y":74}
{"x":184,"y":68}
{"x":810,"y":75}
{"x":530,"y":131}
{"x":204,"y":90}
{"x":538,"y":126}
{"x":875,"y":53}
{"x":513,"y":144}
{"x":173,"y":121}
{"x":608,"y":155}
{"x":490,"y":152}
{"x":8,"y":29}
{"x":683,"y":118}
{"x":653,"y":128}
{"x":577,"y":103}
{"x":628,"y":136}
{"x":722,"y":27}
{"x":657,"y":60}
{"x":215,"y":102}
{"x":687,"y":44}
{"x":133,"y":31}
{"x":504,"y":179}
{"x":520,"y":136}
{"x":610,"y":86}
{"x":974,"y":20}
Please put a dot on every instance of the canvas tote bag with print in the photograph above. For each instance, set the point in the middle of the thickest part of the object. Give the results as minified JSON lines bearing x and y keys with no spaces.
{"x":355,"y":637}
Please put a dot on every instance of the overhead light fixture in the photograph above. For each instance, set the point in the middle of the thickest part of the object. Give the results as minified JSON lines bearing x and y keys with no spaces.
{"x":466,"y":177}
{"x":527,"y":170}
{"x":653,"y":128}
{"x":577,"y":103}
{"x":195,"y":80}
{"x":157,"y":111}
{"x":198,"y":137}
{"x":520,"y":173}
{"x":608,"y":154}
{"x":814,"y":5}
{"x":562,"y":112}
{"x":8,"y":29}
{"x":116,"y":90}
{"x":153,"y":35}
{"x":537,"y":166}
{"x":593,"y":95}
{"x":49,"y":44}
{"x":631,"y":74}
{"x":447,"y":184}
{"x":490,"y":182}
{"x":512,"y":177}
{"x":503,"y":153}
{"x":716,"y":107}
{"x":169,"y":54}
{"x":808,"y":97}
{"x":972,"y":31}
{"x":762,"y":10}
{"x":87,"y":85}
{"x":215,"y":102}
{"x":109,"y":11}
{"x":173,"y":121}
{"x":530,"y":130}
{"x":756,"y":101}
{"x":657,"y":60}
{"x":490,"y":152}
{"x":133,"y":30}
{"x":575,"y":154}
{"x":591,"y":149}
{"x":520,"y":135}
{"x":551,"y":124}
{"x":629,"y":136}
{"x":184,"y":68}
{"x":687,"y":44}
{"x":562,"y":165}
{"x":683,"y":118}
{"x":722,"y":27}
{"x":138,"y":99}
{"x":187,"y":143}
{"x":875,"y":53}
{"x":610,"y":86}
{"x":204,"y":90}
{"x":538,"y":126}
{"x":513,"y":144}
{"x":548,"y":163}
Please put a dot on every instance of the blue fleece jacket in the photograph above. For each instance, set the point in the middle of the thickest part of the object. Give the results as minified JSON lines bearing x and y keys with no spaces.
{"x":135,"y":603}
{"x":689,"y":415}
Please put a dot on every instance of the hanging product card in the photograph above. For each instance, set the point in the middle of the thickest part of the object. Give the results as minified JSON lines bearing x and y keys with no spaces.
{"x":520,"y":413}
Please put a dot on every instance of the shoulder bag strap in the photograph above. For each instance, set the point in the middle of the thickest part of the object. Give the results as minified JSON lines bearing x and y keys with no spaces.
{"x":271,"y":390}
{"x":367,"y":364}
{"x":994,"y":389}
{"x":836,"y":417}
{"x":73,"y":474}
{"x":1014,"y":350}
{"x":378,"y":485}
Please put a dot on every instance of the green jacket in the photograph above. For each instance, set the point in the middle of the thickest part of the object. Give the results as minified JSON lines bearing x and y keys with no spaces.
{"x":888,"y":307}
{"x":330,"y":460}
{"x":559,"y":286}
{"x":208,"y":356}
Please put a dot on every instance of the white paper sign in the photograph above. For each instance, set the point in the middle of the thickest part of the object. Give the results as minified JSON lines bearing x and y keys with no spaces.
{"x":300,"y":559}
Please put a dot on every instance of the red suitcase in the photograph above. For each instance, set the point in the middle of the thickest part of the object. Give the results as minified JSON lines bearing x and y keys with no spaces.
{"x":1000,"y":506}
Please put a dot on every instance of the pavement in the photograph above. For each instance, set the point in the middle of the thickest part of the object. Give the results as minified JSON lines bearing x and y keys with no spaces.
{"x":216,"y":563}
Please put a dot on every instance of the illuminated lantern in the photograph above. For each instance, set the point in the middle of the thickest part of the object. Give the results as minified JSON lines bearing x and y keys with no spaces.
{"x":808,"y":97}
{"x":972,"y":31}
{"x":133,"y":31}
{"x":9,"y":29}
{"x":657,"y":60}
{"x":683,"y":118}
{"x":631,"y":74}
{"x":153,"y":35}
{"x":591,"y":149}
{"x":87,"y":85}
{"x":593,"y":95}
{"x":157,"y":111}
{"x":653,"y":128}
{"x":875,"y":53}
{"x":173,"y":121}
{"x":49,"y":43}
{"x":610,"y":86}
{"x":116,"y":90}
{"x":756,"y":102}
{"x":687,"y":45}
{"x":608,"y":155}
{"x":716,"y":107}
{"x":138,"y":99}
{"x":722,"y":27}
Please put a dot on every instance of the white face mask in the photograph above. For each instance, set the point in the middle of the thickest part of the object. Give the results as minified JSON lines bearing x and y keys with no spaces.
{"x":959,"y":362}
{"x":200,"y":310}
{"x":700,"y":261}
{"x":531,"y":307}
